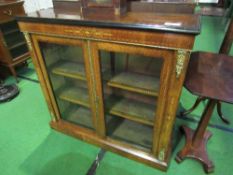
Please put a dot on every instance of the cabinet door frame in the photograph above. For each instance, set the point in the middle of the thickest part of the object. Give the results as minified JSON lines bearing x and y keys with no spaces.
{"x":165,"y":75}
{"x":63,"y":41}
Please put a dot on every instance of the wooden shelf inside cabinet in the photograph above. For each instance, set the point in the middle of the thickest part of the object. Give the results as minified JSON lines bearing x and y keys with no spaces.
{"x":131,"y":109}
{"x":77,"y":95}
{"x":20,"y":53}
{"x":135,"y":134}
{"x":16,"y":45}
{"x":70,"y":69}
{"x":13,"y":40}
{"x":79,"y":115}
{"x":11,"y":31}
{"x":136,"y":82}
{"x":23,"y":56}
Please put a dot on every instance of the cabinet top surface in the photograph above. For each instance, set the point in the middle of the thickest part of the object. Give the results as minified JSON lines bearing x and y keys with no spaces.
{"x":180,"y":23}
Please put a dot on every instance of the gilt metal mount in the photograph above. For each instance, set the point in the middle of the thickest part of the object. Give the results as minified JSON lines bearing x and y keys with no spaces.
{"x":181,"y":56}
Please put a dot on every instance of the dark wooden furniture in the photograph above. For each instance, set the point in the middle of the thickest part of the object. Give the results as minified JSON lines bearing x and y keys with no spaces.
{"x":13,"y":46}
{"x":163,"y":6}
{"x":107,"y":7}
{"x":67,"y":4}
{"x":224,"y":49}
{"x":210,"y":77}
{"x":113,"y":82}
{"x":156,"y":6}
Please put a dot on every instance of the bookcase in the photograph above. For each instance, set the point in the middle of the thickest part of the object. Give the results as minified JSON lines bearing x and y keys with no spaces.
{"x":114,"y":83}
{"x":13,"y":46}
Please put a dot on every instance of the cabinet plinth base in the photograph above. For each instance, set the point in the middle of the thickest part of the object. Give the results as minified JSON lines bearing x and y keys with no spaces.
{"x":197,"y":151}
{"x":108,"y":144}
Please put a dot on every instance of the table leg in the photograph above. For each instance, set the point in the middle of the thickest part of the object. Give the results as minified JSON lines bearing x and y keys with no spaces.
{"x":197,"y":102}
{"x":196,"y":141}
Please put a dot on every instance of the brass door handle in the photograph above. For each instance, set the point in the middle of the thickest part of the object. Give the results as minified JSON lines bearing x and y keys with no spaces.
{"x":7,"y":12}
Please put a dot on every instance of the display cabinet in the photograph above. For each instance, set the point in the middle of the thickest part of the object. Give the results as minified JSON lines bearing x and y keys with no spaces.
{"x":13,"y":46}
{"x":114,"y":83}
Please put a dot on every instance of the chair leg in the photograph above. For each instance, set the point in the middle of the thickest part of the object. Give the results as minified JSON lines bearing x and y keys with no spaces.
{"x":197,"y":102}
{"x":219,"y":110}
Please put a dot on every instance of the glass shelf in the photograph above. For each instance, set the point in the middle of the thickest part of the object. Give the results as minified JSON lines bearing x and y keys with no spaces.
{"x":131,"y":109}
{"x":70,"y":69}
{"x":77,"y":95}
{"x":136,"y":82}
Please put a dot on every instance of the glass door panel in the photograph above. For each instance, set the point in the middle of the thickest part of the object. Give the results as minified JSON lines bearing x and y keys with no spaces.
{"x":130,"y":84}
{"x":66,"y":70}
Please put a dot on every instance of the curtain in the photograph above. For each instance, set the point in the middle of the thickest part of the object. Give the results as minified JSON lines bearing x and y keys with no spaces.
{"x":34,"y":5}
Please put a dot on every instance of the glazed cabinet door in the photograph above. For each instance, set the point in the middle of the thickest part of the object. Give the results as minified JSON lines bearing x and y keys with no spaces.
{"x":62,"y":61}
{"x":133,"y":83}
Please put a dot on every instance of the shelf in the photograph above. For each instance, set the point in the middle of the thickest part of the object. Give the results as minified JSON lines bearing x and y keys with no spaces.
{"x":20,"y":52}
{"x":131,"y":109}
{"x":79,"y":115}
{"x":132,"y":133}
{"x":77,"y":95}
{"x":70,"y":69}
{"x":17,"y":45}
{"x":12,"y":40}
{"x":10,"y":31}
{"x":136,"y":82}
{"x":8,"y":27}
{"x":22,"y":57}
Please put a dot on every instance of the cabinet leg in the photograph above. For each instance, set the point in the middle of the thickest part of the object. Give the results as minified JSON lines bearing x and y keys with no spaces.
{"x":13,"y":72}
